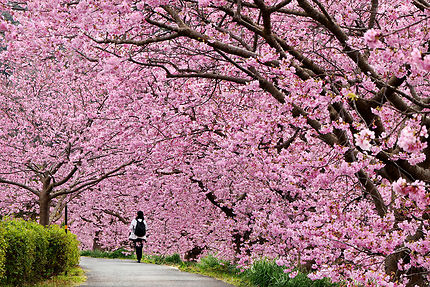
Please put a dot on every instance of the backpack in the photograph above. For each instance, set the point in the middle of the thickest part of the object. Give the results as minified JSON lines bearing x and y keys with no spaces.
{"x":140,"y":229}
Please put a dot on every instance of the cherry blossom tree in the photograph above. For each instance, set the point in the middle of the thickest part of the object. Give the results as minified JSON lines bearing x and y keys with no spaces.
{"x":302,"y":123}
{"x":59,"y":137}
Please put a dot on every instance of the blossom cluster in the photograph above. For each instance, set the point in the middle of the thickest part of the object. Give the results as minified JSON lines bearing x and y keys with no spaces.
{"x":363,"y":139}
{"x":409,"y":139}
{"x":416,"y":191}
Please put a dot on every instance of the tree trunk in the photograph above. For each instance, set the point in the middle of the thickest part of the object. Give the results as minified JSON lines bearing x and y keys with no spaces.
{"x":96,"y":244}
{"x":44,"y":202}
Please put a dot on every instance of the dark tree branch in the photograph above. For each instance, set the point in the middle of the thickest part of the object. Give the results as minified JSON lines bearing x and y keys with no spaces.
{"x":57,"y":167}
{"x":421,"y":4}
{"x":210,"y":76}
{"x":336,"y":30}
{"x":279,"y":6}
{"x":35,"y":192}
{"x":136,"y":42}
{"x":117,"y":215}
{"x":174,"y":171}
{"x":67,"y":178}
{"x":287,"y":143}
{"x":213,"y":199}
{"x":93,"y":182}
{"x":368,"y":185}
{"x":184,"y":30}
{"x":265,"y":13}
{"x":373,"y":13}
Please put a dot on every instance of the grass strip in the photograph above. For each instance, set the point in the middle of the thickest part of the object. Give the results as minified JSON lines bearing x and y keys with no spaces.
{"x":117,"y":254}
{"x":75,"y":276}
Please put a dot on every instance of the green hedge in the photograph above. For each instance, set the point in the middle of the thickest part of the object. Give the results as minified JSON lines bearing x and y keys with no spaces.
{"x":64,"y":248}
{"x":29,"y":252}
{"x":3,"y":247}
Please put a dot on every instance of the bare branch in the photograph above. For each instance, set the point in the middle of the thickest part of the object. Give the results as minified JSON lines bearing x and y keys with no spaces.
{"x":280,"y":45}
{"x":57,"y":167}
{"x":163,"y":172}
{"x":421,"y":4}
{"x":287,"y":143}
{"x":238,"y":8}
{"x":373,"y":13}
{"x":268,"y":86}
{"x":279,"y":6}
{"x":324,"y":11}
{"x":368,"y":185}
{"x":117,"y":215}
{"x":231,"y":61}
{"x":67,"y":178}
{"x":265,"y":12}
{"x":210,"y":76}
{"x":86,"y":57}
{"x":213,"y":199}
{"x":336,"y":30}
{"x":135,"y":42}
{"x":293,"y":12}
{"x":35,"y":192}
{"x":237,"y":38}
{"x":94,"y":181}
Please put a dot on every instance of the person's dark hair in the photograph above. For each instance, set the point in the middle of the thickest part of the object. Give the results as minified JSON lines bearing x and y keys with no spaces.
{"x":140,"y":215}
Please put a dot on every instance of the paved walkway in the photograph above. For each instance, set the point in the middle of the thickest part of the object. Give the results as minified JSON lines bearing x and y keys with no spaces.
{"x":128,"y":273}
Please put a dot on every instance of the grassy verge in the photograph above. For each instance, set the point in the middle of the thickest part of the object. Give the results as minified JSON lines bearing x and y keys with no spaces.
{"x":119,"y":253}
{"x":75,"y":276}
{"x":266,"y":273}
{"x":219,"y":269}
{"x":263,"y":273}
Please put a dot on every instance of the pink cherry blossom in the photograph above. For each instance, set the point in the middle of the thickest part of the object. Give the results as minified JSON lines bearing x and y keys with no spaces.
{"x":371,"y":37}
{"x":363,"y":139}
{"x":3,"y":27}
{"x":409,"y":140}
{"x":204,"y":3}
{"x":422,"y":61}
{"x":400,"y":185}
{"x":293,"y":274}
{"x":227,"y":123}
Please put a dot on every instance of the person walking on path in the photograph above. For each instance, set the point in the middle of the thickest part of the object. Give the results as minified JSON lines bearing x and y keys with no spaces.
{"x":137,"y":234}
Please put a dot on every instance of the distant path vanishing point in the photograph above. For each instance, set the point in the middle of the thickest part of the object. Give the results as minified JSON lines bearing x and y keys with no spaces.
{"x":128,"y":273}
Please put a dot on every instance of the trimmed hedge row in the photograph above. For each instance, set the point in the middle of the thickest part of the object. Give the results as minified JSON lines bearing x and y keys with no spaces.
{"x":30,"y":252}
{"x":3,"y":247}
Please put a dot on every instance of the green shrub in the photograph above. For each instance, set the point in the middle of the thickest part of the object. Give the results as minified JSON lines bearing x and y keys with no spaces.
{"x":156,"y":259}
{"x":208,"y":262}
{"x":302,"y":280}
{"x":212,"y":264}
{"x":63,"y":249}
{"x":266,"y":273}
{"x":73,"y":255}
{"x":174,"y":259}
{"x":41,"y":249}
{"x":30,"y":252}
{"x":3,"y":247}
{"x":20,"y":254}
{"x":120,"y":253}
